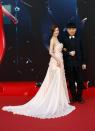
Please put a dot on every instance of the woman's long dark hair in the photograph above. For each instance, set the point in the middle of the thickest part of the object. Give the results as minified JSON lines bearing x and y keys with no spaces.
{"x":53,"y":29}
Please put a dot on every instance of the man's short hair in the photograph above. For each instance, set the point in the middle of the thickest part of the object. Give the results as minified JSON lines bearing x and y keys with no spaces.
{"x":71,"y":25}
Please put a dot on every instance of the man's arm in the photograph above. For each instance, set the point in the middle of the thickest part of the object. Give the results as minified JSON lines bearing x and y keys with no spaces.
{"x":83,"y":55}
{"x":67,"y":50}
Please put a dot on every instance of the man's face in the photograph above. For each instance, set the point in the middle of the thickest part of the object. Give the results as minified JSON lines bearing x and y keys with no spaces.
{"x":71,"y":31}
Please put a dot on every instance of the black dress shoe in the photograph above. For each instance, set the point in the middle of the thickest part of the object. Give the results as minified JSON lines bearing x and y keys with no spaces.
{"x":81,"y":100}
{"x":84,"y":87}
{"x":73,"y":100}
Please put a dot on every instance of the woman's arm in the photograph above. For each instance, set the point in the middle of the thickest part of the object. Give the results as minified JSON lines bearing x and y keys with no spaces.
{"x":7,"y":13}
{"x":51,"y":50}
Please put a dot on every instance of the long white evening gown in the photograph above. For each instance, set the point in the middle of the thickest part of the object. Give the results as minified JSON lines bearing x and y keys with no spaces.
{"x":51,"y":101}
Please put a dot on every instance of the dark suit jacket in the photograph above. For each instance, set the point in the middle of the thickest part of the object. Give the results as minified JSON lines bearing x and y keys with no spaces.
{"x":77,"y":46}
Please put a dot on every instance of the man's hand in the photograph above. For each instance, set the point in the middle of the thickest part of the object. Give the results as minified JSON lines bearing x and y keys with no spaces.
{"x":72,"y":53}
{"x":83,"y":66}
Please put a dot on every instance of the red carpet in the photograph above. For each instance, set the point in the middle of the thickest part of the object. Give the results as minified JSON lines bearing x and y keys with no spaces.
{"x":82,"y":119}
{"x":18,"y":88}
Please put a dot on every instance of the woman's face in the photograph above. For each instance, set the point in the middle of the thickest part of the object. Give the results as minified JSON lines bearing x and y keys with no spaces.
{"x":56,"y":32}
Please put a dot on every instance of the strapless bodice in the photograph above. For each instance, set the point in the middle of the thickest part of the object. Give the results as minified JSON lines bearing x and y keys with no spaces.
{"x":58,"y":48}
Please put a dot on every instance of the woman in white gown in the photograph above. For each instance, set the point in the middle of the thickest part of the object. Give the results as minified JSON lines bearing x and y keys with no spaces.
{"x":52,"y":100}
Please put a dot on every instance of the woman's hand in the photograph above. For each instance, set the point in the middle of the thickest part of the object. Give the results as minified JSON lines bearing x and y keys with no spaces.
{"x":64,"y":49}
{"x":58,"y":63}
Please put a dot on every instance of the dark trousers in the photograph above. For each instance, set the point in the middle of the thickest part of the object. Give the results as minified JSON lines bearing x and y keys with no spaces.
{"x":75,"y":75}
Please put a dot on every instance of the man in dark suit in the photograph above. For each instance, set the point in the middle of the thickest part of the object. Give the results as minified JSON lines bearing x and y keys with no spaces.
{"x":75,"y":62}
